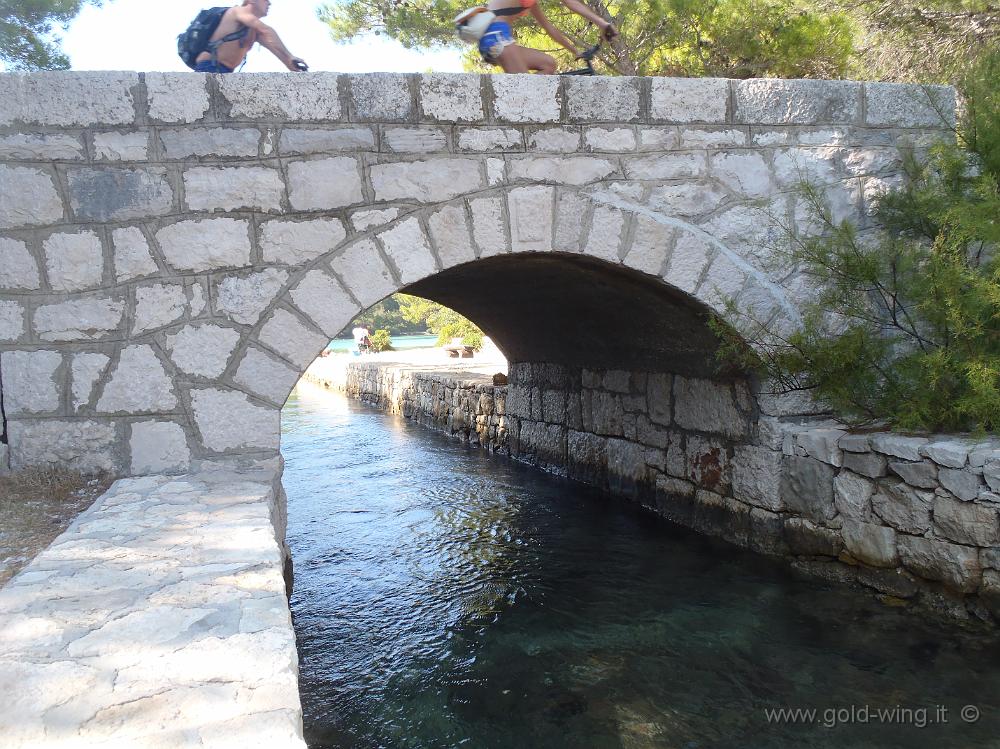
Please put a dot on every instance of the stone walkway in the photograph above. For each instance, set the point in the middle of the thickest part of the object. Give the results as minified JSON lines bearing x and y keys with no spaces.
{"x":159,"y":618}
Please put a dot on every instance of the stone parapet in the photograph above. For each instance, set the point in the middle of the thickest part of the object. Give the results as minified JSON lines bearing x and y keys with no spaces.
{"x":915,"y":518}
{"x":159,"y":617}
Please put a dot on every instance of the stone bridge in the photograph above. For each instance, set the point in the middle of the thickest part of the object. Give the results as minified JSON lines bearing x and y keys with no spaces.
{"x":175,"y":249}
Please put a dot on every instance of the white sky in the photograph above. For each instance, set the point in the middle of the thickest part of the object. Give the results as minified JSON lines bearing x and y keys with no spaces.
{"x":142,"y":35}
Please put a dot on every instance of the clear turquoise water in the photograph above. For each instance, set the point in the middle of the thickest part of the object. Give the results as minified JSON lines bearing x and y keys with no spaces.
{"x":444,"y":598}
{"x":400,"y":343}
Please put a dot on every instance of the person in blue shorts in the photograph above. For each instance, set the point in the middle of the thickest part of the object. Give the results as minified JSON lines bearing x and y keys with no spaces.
{"x":498,"y":46}
{"x":243,"y":22}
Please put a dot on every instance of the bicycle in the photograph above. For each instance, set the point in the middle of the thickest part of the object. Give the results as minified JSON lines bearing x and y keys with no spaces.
{"x":588,"y":57}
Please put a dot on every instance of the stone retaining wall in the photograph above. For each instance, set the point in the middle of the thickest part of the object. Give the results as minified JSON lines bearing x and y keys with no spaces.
{"x":915,"y":518}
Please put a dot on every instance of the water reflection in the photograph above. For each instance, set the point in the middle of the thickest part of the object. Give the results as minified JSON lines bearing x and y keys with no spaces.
{"x":445,"y":597}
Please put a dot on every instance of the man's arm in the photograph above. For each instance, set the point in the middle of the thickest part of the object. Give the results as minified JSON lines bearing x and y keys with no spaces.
{"x":268,"y":37}
{"x":606,"y":27}
{"x":557,"y":36}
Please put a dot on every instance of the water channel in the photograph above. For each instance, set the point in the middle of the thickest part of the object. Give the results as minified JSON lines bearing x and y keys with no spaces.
{"x":445,"y":597}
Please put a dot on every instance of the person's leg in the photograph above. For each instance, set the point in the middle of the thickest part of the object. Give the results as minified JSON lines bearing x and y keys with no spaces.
{"x":518,"y":59}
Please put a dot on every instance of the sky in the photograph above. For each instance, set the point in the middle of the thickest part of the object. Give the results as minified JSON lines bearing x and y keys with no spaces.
{"x":142,"y":35}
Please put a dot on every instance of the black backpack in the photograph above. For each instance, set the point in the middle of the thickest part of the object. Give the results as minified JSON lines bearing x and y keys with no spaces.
{"x":195,"y":40}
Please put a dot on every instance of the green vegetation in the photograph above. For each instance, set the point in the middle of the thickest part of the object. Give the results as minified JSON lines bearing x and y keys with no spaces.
{"x":381,"y":340}
{"x":906,"y":328}
{"x":402,"y":314}
{"x":26,"y":32}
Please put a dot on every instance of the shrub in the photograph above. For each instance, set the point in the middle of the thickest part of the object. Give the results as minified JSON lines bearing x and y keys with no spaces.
{"x":905,"y":327}
{"x":461,"y":328}
{"x":381,"y":340}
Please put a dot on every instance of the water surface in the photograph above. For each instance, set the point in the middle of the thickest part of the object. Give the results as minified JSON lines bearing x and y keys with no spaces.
{"x":445,"y":597}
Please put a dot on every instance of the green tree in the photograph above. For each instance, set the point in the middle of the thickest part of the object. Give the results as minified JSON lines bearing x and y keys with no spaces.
{"x":26,"y":32}
{"x":904,"y":329}
{"x":734,"y":38}
{"x":439,"y":319}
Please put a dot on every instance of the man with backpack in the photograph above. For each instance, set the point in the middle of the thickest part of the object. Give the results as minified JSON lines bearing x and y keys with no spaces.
{"x":219,"y":39}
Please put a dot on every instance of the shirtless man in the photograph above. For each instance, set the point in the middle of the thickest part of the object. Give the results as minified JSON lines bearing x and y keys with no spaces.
{"x":230,"y":55}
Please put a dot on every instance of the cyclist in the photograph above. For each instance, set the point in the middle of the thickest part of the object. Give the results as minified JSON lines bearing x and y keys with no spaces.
{"x":497,"y":45}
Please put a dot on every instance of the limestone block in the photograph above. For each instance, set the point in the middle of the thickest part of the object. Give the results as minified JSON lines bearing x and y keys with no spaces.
{"x":61,"y":99}
{"x":30,"y":198}
{"x":132,"y":256}
{"x":490,"y":139}
{"x":364,"y":220}
{"x":232,"y":188}
{"x":764,"y":101}
{"x":287,"y":335}
{"x":324,"y":302}
{"x":30,"y":384}
{"x":86,"y":369}
{"x":202,"y":350}
{"x":381,"y":97}
{"x":408,"y":247}
{"x":79,"y":319}
{"x":745,"y":173}
{"x":852,"y":495}
{"x":618,"y":140}
{"x":983,"y":453}
{"x":907,"y":448}
{"x":855,"y":443}
{"x":324,"y":183}
{"x":229,"y":420}
{"x":327,"y":140}
{"x":11,"y":320}
{"x":667,"y":167}
{"x":121,"y":146}
{"x":807,"y":487}
{"x":603,"y":413}
{"x":707,"y":464}
{"x":626,"y":461}
{"x":991,"y":471}
{"x":821,"y":444}
{"x":452,"y":238}
{"x":138,"y":384}
{"x":110,"y":194}
{"x":531,"y":216}
{"x":225,"y":142}
{"x":948,"y":453}
{"x":808,"y":539}
{"x":570,"y":170}
{"x":18,"y":269}
{"x":756,"y":475}
{"x":489,"y":226}
{"x":431,"y":181}
{"x":555,"y":140}
{"x":869,"y":543}
{"x":414,"y":139}
{"x":245,"y":298}
{"x":298,"y":242}
{"x":86,"y":446}
{"x":695,"y":138}
{"x":177,"y":97}
{"x":37,"y":147}
{"x":867,"y":464}
{"x":607,"y":230}
{"x":266,"y":376}
{"x":571,"y":213}
{"x":363,"y":271}
{"x":967,"y":522}
{"x":658,"y":389}
{"x":158,"y":305}
{"x":963,"y":484}
{"x":688,"y":199}
{"x":688,"y":261}
{"x":158,"y":447}
{"x":909,"y":105}
{"x":526,"y":98}
{"x":264,"y":96}
{"x":956,"y":566}
{"x":819,"y":166}
{"x":602,"y":98}
{"x":902,"y":507}
{"x":922,"y":475}
{"x":684,"y":100}
{"x":451,"y":97}
{"x":554,"y":406}
{"x":74,"y":261}
{"x":706,"y":406}
{"x":860,"y":162}
{"x":204,"y":245}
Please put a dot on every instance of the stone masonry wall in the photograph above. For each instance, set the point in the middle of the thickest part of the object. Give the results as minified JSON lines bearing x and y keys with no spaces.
{"x":176,"y":248}
{"x":915,"y":518}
